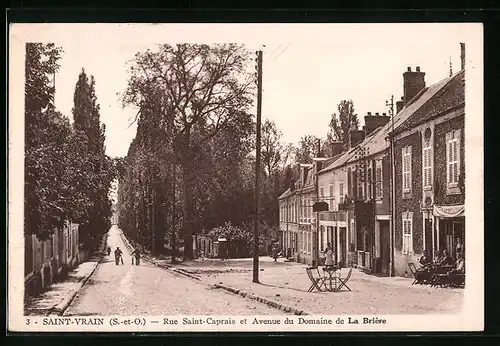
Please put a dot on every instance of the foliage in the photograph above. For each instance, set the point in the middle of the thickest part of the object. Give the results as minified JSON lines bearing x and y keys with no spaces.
{"x":307,"y":149}
{"x":342,"y":124}
{"x":100,"y":170}
{"x":192,"y":93}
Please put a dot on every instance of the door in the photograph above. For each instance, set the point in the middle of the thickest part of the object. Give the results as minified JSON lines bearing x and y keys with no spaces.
{"x":343,"y":247}
{"x":385,"y":247}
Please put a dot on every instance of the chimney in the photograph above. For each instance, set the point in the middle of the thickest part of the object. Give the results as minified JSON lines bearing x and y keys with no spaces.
{"x":337,"y":148}
{"x":374,"y":121}
{"x":399,"y":105}
{"x":413,"y":82}
{"x":462,"y":55}
{"x":356,"y":137}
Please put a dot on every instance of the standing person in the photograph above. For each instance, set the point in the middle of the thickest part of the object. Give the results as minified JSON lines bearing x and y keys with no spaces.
{"x":118,"y":255}
{"x":108,"y":250}
{"x":137,"y":255}
{"x":458,"y":247}
{"x":328,"y":256}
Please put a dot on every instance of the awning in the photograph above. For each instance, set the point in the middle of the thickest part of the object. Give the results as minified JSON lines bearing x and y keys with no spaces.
{"x":449,"y":211}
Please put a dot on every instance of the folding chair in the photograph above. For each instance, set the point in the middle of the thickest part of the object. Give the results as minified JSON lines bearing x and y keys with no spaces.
{"x":419,"y":277}
{"x":316,"y":282}
{"x":343,"y":280}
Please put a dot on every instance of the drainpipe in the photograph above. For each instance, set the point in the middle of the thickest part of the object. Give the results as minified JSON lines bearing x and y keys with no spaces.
{"x":392,"y":199}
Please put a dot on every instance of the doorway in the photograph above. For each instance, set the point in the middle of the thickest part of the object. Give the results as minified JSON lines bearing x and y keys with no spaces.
{"x":385,"y":246}
{"x":343,"y":246}
{"x":428,"y":237}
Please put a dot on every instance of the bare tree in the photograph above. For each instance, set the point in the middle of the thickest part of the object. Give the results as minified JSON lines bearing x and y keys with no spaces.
{"x":199,"y":90}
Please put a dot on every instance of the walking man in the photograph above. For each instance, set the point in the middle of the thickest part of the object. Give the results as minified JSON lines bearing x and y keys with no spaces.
{"x":118,"y":256}
{"x":137,"y":254}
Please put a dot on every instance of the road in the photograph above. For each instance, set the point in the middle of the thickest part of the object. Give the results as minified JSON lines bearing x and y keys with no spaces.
{"x":129,"y":290}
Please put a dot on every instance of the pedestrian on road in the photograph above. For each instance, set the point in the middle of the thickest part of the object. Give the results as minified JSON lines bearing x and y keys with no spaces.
{"x":137,"y":254}
{"x":118,"y":256}
{"x":328,"y":256}
{"x":108,"y":250}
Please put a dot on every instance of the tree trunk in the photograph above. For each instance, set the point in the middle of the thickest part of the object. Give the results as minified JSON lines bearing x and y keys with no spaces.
{"x":186,"y":211}
{"x":187,"y":198}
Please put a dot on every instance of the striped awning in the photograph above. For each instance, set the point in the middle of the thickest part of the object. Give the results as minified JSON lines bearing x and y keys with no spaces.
{"x":449,"y":211}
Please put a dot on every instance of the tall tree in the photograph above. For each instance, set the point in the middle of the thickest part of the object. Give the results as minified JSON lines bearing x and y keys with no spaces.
{"x":343,"y":123}
{"x":204,"y":90}
{"x":272,"y":148}
{"x":100,"y":168}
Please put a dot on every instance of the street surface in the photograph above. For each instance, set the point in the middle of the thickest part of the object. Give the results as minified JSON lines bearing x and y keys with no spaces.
{"x":149,"y":290}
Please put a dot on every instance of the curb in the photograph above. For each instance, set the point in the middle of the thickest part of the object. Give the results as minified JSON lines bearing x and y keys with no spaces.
{"x":260,"y":299}
{"x":60,"y":308}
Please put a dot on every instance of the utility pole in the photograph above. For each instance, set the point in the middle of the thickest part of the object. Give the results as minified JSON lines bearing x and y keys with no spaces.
{"x":392,"y":187}
{"x":257,"y":170}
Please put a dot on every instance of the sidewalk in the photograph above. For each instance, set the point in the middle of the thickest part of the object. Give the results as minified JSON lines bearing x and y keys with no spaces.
{"x":286,"y":283}
{"x":60,"y":295}
{"x":56,"y":298}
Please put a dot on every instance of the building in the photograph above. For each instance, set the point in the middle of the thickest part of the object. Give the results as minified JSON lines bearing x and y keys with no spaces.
{"x":429,"y":174}
{"x":45,"y":260}
{"x":357,"y":189}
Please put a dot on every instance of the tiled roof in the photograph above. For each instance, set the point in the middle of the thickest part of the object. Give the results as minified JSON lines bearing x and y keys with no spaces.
{"x":376,"y":141}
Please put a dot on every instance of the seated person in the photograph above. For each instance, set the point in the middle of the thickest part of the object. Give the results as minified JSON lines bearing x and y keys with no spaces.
{"x":445,"y":259}
{"x":459,"y":265}
{"x":425,"y":261}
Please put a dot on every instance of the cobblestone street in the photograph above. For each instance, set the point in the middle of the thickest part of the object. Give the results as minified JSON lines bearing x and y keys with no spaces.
{"x":150,"y":290}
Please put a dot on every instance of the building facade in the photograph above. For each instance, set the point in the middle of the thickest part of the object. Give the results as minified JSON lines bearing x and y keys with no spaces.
{"x":430,"y":189}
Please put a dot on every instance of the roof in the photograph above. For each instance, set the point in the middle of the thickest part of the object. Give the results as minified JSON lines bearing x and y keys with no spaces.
{"x":285,"y":194}
{"x":376,"y":142}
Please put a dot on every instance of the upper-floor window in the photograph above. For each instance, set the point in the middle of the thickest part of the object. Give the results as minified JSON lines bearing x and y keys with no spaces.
{"x":427,"y":165}
{"x":321,"y":193}
{"x":332,"y":198}
{"x":341,"y":193}
{"x":406,"y":163}
{"x":378,"y":180}
{"x":453,"y":161}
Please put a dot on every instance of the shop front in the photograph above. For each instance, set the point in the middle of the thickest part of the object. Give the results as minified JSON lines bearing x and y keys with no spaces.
{"x":450,"y":229}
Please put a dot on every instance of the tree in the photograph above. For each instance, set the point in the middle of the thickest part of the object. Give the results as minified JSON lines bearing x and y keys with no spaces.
{"x":342,"y":124}
{"x":200,"y":90}
{"x":307,"y":149}
{"x":55,"y":161}
{"x":272,"y":149}
{"x":100,"y":168}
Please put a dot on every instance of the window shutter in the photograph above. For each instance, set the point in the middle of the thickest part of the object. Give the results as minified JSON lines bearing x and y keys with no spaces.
{"x":409,"y":168}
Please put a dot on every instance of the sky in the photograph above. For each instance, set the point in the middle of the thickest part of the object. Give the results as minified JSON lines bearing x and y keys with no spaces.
{"x":307,"y":68}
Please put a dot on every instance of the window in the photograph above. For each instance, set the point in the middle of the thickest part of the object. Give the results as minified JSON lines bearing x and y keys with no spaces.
{"x":427,"y":166}
{"x":341,"y":193}
{"x":406,"y":158}
{"x":361,"y":189}
{"x":378,"y":179}
{"x":369,"y":184}
{"x":407,"y":233}
{"x":452,"y":158}
{"x":332,"y":198}
{"x":321,"y":193}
